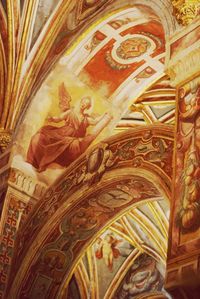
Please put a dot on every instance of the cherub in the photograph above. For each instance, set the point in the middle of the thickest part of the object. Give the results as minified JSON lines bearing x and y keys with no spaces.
{"x":107,"y":250}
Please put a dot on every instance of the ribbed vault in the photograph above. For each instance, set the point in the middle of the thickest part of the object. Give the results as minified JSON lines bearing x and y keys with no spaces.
{"x":114,"y":194}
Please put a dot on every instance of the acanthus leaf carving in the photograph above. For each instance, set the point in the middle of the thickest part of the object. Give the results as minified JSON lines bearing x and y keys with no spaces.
{"x":186,"y":10}
{"x":188,"y":167}
{"x":5,"y":139}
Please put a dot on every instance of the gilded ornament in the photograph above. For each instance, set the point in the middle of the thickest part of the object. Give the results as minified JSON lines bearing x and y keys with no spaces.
{"x":132,"y":47}
{"x":5,"y":139}
{"x":186,"y":10}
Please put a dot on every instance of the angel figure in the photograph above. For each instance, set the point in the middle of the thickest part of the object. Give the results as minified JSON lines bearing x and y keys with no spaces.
{"x":60,"y":146}
{"x":107,"y":250}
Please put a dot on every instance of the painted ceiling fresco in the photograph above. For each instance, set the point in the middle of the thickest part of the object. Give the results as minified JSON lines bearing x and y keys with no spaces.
{"x":99,"y":143}
{"x":96,"y":225}
{"x":129,"y":170}
{"x":131,"y":253}
{"x":110,"y":80}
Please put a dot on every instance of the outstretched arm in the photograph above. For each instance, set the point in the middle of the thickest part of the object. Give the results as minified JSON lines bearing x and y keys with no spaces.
{"x":57,"y":119}
{"x":96,"y":130}
{"x":93,"y":121}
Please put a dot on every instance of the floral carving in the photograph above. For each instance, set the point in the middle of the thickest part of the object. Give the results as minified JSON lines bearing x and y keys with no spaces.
{"x":188,"y":166}
{"x":5,"y":139}
{"x":186,"y":11}
{"x":97,"y":161}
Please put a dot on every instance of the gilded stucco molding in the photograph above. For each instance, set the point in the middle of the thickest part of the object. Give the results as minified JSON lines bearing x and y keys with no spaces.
{"x":182,"y":70}
{"x":5,"y":139}
{"x":142,"y":153}
{"x":183,"y":54}
{"x":186,"y":11}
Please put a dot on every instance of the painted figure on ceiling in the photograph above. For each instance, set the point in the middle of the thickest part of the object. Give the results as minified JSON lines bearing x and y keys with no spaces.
{"x":53,"y":145}
{"x":107,"y":250}
{"x":142,"y":277}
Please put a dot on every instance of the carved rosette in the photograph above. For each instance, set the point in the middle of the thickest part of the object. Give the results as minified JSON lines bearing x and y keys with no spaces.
{"x":186,"y":10}
{"x":5,"y":139}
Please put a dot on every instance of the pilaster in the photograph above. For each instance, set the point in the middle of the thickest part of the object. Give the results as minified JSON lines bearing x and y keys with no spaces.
{"x":183,"y":67}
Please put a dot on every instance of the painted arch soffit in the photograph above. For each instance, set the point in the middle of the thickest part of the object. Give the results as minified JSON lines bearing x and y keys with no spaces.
{"x":139,"y":151}
{"x":72,"y":232}
{"x":35,"y":50}
{"x":143,"y":147}
{"x":124,"y":259}
{"x":115,"y":71}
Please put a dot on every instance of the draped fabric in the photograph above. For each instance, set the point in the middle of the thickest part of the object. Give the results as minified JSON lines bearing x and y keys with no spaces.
{"x":61,"y":145}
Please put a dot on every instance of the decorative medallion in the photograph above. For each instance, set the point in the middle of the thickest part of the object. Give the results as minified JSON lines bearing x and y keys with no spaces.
{"x":130,"y":49}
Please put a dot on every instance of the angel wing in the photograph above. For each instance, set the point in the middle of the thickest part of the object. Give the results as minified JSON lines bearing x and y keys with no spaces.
{"x":64,"y":96}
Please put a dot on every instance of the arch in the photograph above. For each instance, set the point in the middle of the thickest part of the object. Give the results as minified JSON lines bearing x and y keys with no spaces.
{"x":147,"y":8}
{"x":141,"y":152}
{"x":65,"y":39}
{"x":55,"y":221}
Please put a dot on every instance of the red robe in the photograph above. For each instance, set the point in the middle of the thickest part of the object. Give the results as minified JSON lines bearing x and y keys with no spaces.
{"x":61,"y":145}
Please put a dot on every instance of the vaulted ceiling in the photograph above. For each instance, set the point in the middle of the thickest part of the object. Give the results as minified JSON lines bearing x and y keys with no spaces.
{"x":115,"y":53}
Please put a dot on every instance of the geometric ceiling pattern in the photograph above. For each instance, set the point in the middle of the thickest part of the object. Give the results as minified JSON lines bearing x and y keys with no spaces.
{"x":155,"y":105}
{"x":37,"y":33}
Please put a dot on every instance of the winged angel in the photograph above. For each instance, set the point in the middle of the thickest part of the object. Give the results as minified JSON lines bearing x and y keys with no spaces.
{"x":64,"y":144}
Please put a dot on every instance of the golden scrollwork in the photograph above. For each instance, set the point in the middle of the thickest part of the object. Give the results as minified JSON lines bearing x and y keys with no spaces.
{"x":186,"y":10}
{"x":137,"y":107}
{"x":5,"y":139}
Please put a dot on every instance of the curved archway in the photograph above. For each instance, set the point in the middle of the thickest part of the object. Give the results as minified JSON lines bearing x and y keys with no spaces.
{"x":143,"y":153}
{"x":146,"y":28}
{"x":112,"y":55}
{"x":121,"y":250}
{"x":63,"y":25}
{"x":93,"y":215}
{"x":114,"y":87}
